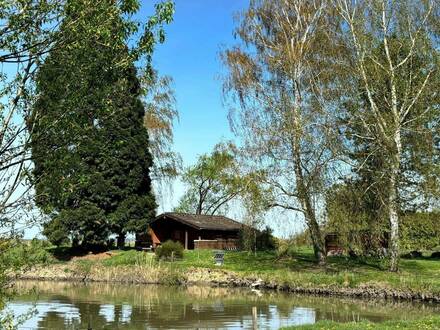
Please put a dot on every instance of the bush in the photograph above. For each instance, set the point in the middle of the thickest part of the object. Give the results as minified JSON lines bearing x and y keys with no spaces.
{"x":169,"y":249}
{"x":420,"y":231}
{"x":265,"y":240}
{"x":24,"y":254}
{"x":286,"y":249}
{"x":252,"y":239}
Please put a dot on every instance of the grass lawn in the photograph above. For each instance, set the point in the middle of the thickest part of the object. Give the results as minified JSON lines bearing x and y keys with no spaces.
{"x":298,"y":269}
{"x":422,"y":324}
{"x":416,"y":274}
{"x":422,"y":275}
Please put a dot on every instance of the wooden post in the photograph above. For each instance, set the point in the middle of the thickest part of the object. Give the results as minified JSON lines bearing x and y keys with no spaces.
{"x":254,"y":318}
{"x":186,"y":239}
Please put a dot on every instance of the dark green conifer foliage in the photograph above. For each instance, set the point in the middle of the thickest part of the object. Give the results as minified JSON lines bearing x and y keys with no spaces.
{"x":89,"y":145}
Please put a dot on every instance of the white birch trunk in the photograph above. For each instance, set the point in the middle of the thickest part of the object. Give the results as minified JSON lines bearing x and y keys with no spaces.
{"x":393,"y":203}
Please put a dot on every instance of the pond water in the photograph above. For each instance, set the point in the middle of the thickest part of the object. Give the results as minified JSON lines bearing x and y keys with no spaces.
{"x":64,"y":305}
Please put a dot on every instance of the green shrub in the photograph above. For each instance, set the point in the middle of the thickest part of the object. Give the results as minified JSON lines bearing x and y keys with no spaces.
{"x":420,"y":231}
{"x":265,"y":240}
{"x":169,"y":250}
{"x":24,"y":254}
{"x":261,"y":240}
{"x":285,"y":249}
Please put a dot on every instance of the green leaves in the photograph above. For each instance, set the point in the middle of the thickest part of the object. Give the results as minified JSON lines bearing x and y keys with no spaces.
{"x":129,"y":6}
{"x":90,"y":146}
{"x":214,"y":181}
{"x":154,"y":31}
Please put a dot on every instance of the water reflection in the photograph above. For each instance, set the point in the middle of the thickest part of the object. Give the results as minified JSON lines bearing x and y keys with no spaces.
{"x":110,"y":306}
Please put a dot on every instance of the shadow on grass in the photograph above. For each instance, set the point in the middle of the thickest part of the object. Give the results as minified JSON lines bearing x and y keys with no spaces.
{"x":306,"y":261}
{"x":66,"y":253}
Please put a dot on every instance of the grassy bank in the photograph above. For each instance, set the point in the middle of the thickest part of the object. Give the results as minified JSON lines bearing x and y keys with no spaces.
{"x":299,"y":269}
{"x":417,"y":278}
{"x":422,"y":324}
{"x":296,"y":272}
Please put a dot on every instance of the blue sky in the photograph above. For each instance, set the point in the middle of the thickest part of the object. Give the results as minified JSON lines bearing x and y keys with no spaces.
{"x":191,"y":56}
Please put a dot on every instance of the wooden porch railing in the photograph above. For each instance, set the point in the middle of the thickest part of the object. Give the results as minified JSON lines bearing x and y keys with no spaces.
{"x":217,"y":244}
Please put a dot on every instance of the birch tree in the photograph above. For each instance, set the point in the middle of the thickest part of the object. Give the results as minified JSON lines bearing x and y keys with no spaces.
{"x":27,"y":31}
{"x":277,"y":78}
{"x":216,"y":180}
{"x":393,"y":51}
{"x":160,"y":116}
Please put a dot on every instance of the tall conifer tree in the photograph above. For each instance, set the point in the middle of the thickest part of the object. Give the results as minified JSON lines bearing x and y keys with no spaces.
{"x":89,"y":145}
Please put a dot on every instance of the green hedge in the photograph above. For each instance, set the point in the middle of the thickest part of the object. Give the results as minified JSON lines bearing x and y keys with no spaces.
{"x":420,"y":231}
{"x":169,"y":250}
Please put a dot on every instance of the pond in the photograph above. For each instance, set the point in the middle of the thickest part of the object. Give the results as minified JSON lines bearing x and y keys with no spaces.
{"x":66,"y":305}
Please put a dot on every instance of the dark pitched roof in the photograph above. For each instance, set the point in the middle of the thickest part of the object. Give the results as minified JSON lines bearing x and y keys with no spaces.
{"x":200,"y":221}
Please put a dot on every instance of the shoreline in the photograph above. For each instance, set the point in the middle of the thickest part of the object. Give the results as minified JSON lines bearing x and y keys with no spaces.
{"x":217,"y":278}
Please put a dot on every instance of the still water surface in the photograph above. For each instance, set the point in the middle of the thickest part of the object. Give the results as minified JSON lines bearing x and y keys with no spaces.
{"x":111,"y":306}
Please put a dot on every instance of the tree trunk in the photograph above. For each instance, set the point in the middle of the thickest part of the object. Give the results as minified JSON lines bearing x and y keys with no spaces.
{"x":394,"y":232}
{"x":305,"y":200}
{"x":317,"y":241}
{"x":121,"y":241}
{"x":393,"y":205}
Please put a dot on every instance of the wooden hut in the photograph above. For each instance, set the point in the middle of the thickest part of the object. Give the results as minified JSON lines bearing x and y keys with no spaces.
{"x":332,"y":245}
{"x":196,"y":231}
{"x":369,"y":242}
